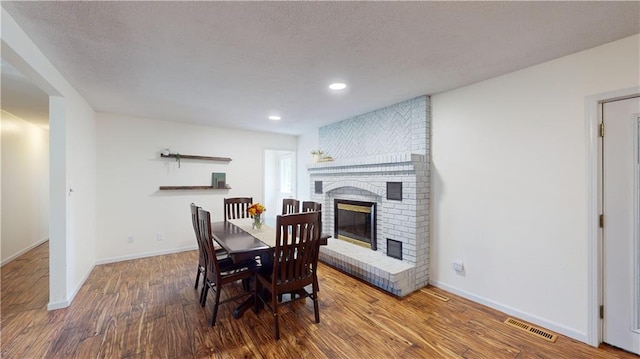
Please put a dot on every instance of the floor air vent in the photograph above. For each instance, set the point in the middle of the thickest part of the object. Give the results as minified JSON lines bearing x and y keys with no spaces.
{"x":532,"y":330}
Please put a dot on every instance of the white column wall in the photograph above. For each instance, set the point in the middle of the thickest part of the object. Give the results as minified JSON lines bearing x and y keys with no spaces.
{"x":25,"y":186}
{"x":130,"y":171}
{"x":509,"y":185}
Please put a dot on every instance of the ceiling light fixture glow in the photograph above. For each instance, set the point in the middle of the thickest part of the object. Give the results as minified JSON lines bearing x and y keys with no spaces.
{"x":275,"y":118}
{"x":338,"y":86}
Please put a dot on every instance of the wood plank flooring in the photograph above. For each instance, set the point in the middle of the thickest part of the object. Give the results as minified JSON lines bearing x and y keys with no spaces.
{"x":147,"y":308}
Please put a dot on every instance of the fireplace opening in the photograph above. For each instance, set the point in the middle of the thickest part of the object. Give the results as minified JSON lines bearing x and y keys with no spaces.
{"x":355,"y":222}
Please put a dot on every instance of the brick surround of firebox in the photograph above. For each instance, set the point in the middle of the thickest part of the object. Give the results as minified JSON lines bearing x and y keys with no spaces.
{"x":396,"y":145}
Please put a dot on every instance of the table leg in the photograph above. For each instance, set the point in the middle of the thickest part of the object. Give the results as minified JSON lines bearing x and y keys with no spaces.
{"x":248,"y":303}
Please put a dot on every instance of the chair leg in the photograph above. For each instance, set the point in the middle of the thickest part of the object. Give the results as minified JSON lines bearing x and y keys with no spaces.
{"x":203,"y":294}
{"x":255,"y":300}
{"x":246,"y":284}
{"x":205,"y":291}
{"x":316,"y":310}
{"x":315,"y":281}
{"x":197,"y":277}
{"x":276,"y":324}
{"x":215,"y":307}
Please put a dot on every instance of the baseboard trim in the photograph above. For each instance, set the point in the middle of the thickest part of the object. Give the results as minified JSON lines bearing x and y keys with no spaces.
{"x":66,"y":303}
{"x":58,"y":305}
{"x":144,"y":255}
{"x":23,"y":251}
{"x":534,"y":319}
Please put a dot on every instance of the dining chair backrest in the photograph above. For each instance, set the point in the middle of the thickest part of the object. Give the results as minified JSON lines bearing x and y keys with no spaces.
{"x":308,"y":206}
{"x":290,"y":205}
{"x":196,"y":230}
{"x":296,"y":250}
{"x":236,"y":207}
{"x":204,"y":223}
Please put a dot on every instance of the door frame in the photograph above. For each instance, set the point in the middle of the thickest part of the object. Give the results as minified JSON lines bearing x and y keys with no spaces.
{"x":271,"y":160}
{"x":60,"y":296}
{"x":593,"y":167}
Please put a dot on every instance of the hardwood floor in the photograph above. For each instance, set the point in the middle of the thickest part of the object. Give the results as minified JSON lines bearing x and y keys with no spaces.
{"x":147,"y":308}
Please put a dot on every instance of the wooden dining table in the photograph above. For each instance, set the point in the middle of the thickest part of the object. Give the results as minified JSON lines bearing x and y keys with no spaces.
{"x":242,"y":242}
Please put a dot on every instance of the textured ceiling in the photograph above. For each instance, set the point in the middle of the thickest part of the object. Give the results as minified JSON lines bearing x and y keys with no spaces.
{"x":233,"y":63}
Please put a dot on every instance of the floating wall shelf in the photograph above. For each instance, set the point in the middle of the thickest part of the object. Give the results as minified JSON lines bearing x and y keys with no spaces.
{"x":192,"y":157}
{"x":169,"y":188}
{"x":179,"y":156}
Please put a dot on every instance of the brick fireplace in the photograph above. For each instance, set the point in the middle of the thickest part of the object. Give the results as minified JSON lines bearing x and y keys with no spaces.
{"x":380,"y":158}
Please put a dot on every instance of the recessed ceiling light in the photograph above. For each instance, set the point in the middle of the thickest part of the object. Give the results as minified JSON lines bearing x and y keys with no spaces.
{"x":338,"y":86}
{"x":275,"y":118}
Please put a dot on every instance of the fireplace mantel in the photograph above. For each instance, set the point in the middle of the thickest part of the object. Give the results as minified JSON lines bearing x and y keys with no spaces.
{"x":371,"y":164}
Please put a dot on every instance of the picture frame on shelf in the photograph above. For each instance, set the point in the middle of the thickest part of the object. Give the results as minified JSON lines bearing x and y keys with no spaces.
{"x":219,"y":180}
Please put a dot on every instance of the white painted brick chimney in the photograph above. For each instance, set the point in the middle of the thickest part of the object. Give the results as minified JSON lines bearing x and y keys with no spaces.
{"x":387,"y":145}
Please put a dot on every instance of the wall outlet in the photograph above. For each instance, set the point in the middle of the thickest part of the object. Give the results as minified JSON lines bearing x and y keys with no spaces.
{"x":160,"y":236}
{"x":458,"y":266}
{"x":130,"y":239}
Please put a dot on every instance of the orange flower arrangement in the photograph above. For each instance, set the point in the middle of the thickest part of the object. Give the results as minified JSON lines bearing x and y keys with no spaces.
{"x":255,"y":208}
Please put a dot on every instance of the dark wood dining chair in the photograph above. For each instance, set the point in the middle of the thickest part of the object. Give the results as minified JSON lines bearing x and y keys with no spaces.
{"x":236,"y":207}
{"x":202,"y":265}
{"x":220,"y":274}
{"x":290,"y":205}
{"x":309,"y":206}
{"x":294,"y":263}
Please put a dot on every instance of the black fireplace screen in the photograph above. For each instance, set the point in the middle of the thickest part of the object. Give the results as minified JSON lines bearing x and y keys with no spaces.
{"x":355,"y":222}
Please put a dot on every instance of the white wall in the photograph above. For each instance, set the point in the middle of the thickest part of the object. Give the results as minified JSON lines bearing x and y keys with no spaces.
{"x":307,"y":142}
{"x":271,"y":186}
{"x":25,"y":186}
{"x":72,"y":166}
{"x":130,"y":171}
{"x":81,"y":191}
{"x":509,"y":185}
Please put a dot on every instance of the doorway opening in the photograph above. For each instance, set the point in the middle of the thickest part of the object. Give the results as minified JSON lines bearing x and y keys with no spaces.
{"x":25,"y":190}
{"x":279,"y":181}
{"x":601,"y":217}
{"x":620,"y":231}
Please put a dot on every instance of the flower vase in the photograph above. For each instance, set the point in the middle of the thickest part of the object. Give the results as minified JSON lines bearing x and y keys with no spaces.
{"x":257,"y":222}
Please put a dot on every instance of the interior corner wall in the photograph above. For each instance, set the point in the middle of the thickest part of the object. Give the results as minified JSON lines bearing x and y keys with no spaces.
{"x":509,"y":182}
{"x":72,"y":166}
{"x":25,"y":186}
{"x":130,"y":171}
{"x":307,"y":142}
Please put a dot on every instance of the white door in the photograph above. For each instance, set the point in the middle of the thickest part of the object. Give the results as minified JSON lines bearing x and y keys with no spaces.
{"x":286,"y":177}
{"x":621,"y":249}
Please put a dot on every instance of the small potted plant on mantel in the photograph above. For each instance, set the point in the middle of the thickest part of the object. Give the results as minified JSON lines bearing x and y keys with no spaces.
{"x":317,"y":155}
